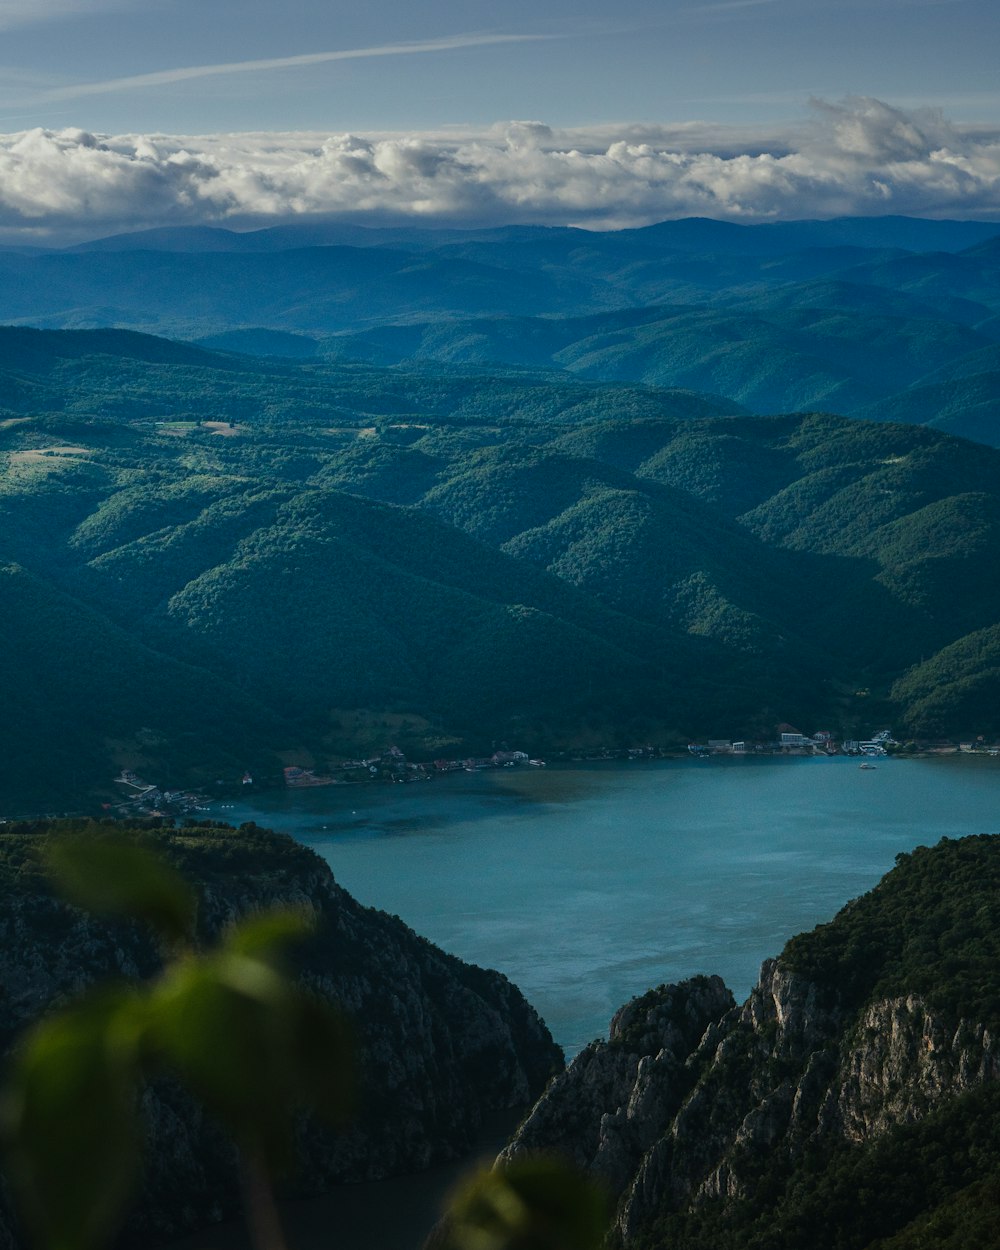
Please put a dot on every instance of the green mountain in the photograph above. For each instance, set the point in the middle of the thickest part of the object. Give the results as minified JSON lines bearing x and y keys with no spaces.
{"x":960,"y":681}
{"x":331,"y":557}
{"x":84,"y":697}
{"x":769,"y":354}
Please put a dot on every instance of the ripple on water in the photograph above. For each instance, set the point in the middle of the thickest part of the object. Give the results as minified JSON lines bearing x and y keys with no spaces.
{"x":587,"y":885}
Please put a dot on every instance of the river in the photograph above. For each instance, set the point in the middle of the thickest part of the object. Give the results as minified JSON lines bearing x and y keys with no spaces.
{"x":588,"y":884}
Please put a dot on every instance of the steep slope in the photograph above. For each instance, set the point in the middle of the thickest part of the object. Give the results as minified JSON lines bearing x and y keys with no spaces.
{"x":83,"y":697}
{"x":851,"y":1096}
{"x":442,"y":1043}
{"x":956,"y":686}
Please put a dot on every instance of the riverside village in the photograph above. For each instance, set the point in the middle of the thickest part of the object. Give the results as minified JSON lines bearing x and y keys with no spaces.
{"x":139,"y":797}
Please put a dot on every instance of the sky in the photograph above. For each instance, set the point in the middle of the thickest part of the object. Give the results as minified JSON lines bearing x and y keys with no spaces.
{"x":119,"y":114}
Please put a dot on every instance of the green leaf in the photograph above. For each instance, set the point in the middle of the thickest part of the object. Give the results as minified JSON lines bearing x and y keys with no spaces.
{"x":69,"y":1119}
{"x":213,"y":1021}
{"x":114,"y":876}
{"x":265,"y":934}
{"x":536,"y":1203}
{"x":247,"y":1041}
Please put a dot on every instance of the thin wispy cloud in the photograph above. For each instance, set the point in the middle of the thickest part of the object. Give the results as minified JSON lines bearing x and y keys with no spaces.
{"x":167,"y":77}
{"x":15,"y":13}
{"x":725,"y":5}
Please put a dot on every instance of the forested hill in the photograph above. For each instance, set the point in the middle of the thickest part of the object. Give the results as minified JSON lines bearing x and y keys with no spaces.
{"x":851,"y":1103}
{"x":212,"y":566}
{"x":887,"y":318}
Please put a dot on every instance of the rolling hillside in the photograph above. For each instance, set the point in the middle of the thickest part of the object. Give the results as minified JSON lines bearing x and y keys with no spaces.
{"x":462,"y":559}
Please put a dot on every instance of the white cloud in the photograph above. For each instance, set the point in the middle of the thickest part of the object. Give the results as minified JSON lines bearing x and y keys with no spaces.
{"x":858,"y":156}
{"x":166,"y":77}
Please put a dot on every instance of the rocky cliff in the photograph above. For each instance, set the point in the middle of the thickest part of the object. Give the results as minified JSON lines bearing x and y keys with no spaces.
{"x":867,"y":1049}
{"x":443,"y":1043}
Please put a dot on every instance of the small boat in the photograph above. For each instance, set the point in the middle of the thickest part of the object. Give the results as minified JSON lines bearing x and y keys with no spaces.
{"x":868,"y":766}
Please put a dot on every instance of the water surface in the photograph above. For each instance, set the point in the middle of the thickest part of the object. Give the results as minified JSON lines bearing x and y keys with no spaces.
{"x":588,"y":884}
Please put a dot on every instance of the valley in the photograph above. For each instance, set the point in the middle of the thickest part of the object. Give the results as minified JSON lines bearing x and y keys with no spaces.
{"x":293,"y":509}
{"x":218,"y":564}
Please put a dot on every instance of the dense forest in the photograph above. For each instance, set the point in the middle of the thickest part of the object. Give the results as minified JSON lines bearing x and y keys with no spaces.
{"x":214,"y":563}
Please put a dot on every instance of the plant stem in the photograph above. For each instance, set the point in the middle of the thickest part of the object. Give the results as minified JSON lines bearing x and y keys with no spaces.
{"x":258,"y":1198}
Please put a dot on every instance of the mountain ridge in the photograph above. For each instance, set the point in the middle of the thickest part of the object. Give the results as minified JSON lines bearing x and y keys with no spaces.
{"x":866,"y":1050}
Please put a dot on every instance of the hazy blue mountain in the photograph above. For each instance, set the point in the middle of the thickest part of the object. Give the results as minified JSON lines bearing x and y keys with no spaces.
{"x":691,"y":234}
{"x":855,"y":315}
{"x":259,"y":341}
{"x":911,"y":233}
{"x":312,"y":288}
{"x":972,"y":275}
{"x":324,"y":276}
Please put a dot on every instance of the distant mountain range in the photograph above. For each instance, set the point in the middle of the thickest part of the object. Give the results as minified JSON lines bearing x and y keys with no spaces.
{"x":883,"y":318}
{"x":210,"y":560}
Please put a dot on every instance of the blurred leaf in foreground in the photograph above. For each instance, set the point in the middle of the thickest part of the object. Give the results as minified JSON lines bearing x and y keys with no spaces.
{"x":536,"y":1203}
{"x":69,"y":1118}
{"x":116,"y":876}
{"x":237,"y":1031}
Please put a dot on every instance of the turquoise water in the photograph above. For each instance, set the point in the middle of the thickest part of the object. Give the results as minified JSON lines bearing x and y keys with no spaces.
{"x":586,"y":885}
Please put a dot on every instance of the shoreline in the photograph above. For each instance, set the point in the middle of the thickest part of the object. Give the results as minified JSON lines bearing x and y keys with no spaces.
{"x":189,"y":803}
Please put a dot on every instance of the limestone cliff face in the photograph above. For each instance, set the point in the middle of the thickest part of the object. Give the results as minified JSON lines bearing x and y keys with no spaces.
{"x":691,"y":1093}
{"x":903,"y":1059}
{"x":444,"y":1043}
{"x":608,"y":1108}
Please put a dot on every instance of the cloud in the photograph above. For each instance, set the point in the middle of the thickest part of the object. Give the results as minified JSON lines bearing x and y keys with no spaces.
{"x":14,"y":13}
{"x":185,"y":73}
{"x":860,"y":156}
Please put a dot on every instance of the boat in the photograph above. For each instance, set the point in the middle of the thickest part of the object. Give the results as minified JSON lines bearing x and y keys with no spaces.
{"x":868,"y":766}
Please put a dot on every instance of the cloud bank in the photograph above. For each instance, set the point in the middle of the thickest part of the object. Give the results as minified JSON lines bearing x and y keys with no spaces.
{"x":860,"y":156}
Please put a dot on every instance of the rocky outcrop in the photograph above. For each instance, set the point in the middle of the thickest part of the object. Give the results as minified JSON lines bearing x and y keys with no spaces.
{"x":902,"y":1060}
{"x":443,"y":1043}
{"x":606,"y":1111}
{"x":694,"y":1102}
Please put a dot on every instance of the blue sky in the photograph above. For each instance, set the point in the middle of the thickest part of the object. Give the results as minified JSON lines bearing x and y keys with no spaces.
{"x":118,"y":114}
{"x":567,"y":62}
